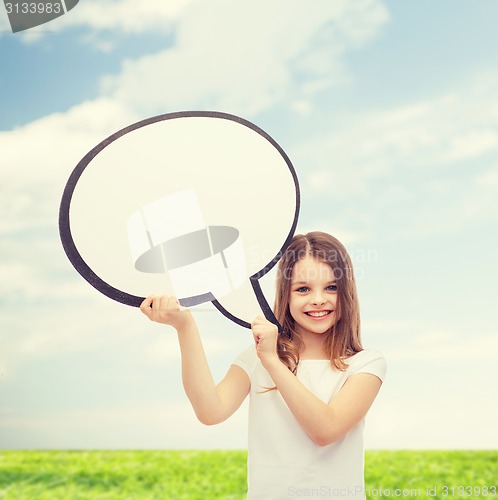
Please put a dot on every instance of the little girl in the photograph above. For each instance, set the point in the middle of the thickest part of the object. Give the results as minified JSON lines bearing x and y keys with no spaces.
{"x":310,"y":387}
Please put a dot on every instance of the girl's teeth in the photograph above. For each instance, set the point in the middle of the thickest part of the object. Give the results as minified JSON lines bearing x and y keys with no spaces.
{"x":317,"y":314}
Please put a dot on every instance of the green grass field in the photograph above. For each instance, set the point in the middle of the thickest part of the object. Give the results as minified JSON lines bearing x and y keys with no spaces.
{"x":137,"y":475}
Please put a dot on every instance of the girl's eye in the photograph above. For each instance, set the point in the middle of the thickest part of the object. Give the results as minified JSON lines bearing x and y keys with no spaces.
{"x":332,"y":288}
{"x":302,"y":289}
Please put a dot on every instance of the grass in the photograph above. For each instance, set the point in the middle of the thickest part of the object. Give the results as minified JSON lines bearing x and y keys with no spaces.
{"x":431,"y":474}
{"x":76,"y":475}
{"x":143,"y":475}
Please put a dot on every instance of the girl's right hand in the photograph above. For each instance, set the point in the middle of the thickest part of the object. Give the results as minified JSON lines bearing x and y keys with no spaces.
{"x":167,"y":310}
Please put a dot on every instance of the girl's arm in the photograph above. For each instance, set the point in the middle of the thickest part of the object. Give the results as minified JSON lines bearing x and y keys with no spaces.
{"x":212,"y":403}
{"x":324,"y":423}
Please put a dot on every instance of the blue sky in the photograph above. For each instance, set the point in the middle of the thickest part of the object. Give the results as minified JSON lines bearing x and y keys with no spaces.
{"x":388,"y":111}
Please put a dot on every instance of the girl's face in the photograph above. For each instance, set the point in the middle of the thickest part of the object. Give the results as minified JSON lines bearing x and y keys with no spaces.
{"x":313,"y":296}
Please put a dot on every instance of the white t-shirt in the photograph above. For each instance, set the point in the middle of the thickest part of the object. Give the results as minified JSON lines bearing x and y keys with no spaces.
{"x":283,"y":461}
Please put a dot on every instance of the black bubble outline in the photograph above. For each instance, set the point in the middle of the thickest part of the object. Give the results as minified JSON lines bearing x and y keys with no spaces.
{"x":132,"y":300}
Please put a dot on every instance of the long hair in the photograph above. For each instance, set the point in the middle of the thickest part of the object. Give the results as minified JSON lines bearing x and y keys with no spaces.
{"x":343,"y":338}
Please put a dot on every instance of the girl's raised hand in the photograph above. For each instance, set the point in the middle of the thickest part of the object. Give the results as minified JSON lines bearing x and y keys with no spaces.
{"x":165,"y":309}
{"x":265,"y":335}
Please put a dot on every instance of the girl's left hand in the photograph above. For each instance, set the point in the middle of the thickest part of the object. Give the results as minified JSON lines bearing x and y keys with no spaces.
{"x":265,"y":335}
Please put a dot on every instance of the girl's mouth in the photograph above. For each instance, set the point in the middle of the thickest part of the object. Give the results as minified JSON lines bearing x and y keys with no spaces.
{"x":318,"y":314}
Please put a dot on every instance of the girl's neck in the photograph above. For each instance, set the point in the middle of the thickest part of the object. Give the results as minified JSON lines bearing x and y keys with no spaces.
{"x":313,"y":346}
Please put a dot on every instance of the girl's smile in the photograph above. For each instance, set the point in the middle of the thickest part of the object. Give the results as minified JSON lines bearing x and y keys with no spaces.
{"x":313,"y":296}
{"x":318,"y":314}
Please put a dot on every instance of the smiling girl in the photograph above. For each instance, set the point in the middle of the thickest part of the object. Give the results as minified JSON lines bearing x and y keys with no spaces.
{"x":310,"y":387}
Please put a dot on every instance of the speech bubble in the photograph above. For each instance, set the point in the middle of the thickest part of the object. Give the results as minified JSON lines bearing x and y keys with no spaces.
{"x":196,"y":204}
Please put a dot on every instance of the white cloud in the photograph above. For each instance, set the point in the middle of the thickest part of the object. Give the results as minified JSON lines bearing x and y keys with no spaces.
{"x":38,"y":158}
{"x":82,"y":321}
{"x":346,"y":236}
{"x":428,"y":135}
{"x":420,"y":421}
{"x":488,"y":180}
{"x":4,"y":21}
{"x":358,"y":22}
{"x":160,"y":425}
{"x":50,"y":146}
{"x":126,"y":16}
{"x":430,"y":164}
{"x":439,"y":346}
{"x":61,"y":329}
{"x":302,"y":107}
{"x":102,"y":18}
{"x":221,"y":61}
{"x":411,"y":339}
{"x":480,"y":201}
{"x":438,"y":380}
{"x":220,"y":339}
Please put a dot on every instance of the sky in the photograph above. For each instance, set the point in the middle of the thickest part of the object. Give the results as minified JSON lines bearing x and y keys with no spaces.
{"x":388,"y":111}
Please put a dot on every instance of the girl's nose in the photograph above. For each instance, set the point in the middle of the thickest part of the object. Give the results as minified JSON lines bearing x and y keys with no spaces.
{"x":318,"y":299}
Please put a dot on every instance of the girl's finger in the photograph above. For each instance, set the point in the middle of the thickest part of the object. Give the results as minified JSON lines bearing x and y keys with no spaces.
{"x":257,"y":331}
{"x":167,"y":302}
{"x":146,"y":302}
{"x":259,"y":320}
{"x":154,"y":302}
{"x":145,"y":306}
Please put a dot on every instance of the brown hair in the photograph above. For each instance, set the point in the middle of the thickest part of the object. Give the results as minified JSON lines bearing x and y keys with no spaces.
{"x":343,"y":338}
